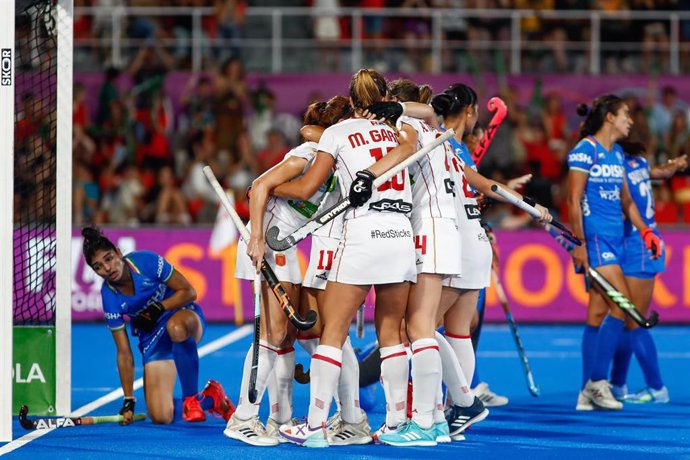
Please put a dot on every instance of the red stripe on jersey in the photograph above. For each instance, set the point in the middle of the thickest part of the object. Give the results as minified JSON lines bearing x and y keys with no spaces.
{"x":284,"y":351}
{"x":268,"y":348}
{"x":327,"y":359}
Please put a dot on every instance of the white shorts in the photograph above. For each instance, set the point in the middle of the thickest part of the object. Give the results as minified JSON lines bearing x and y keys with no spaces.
{"x":437,"y":246}
{"x":285,"y":264}
{"x":375,"y":249}
{"x":321,"y":257}
{"x":476,"y":260}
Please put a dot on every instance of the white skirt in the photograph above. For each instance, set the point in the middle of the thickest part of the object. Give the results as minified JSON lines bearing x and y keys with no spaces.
{"x":375,"y":249}
{"x":437,"y":246}
{"x":322,"y":254}
{"x":475,"y":261}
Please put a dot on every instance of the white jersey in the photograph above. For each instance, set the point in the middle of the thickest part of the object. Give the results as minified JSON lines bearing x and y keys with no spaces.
{"x":356,"y":144}
{"x":334,"y":228}
{"x":294,"y":213}
{"x":468,"y":215}
{"x":433,"y":189}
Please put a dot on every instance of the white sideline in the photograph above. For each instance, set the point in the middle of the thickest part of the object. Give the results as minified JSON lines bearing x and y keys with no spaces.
{"x":217,"y":344}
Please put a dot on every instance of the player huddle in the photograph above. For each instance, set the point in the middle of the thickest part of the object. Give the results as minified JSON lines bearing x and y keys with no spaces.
{"x":416,"y":239}
{"x":412,"y":232}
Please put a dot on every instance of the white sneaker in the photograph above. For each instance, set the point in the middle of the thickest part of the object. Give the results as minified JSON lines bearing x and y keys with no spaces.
{"x":303,"y":435}
{"x":334,"y":420}
{"x":488,"y":397}
{"x":250,"y":431}
{"x":442,"y":432}
{"x":342,"y":433}
{"x":273,"y":429}
{"x":648,"y":395}
{"x":583,"y":402}
{"x":599,"y":393}
{"x":383,"y":429}
{"x":458,"y":437}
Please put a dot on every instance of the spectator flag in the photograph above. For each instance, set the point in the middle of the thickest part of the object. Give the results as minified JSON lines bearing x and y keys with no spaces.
{"x":224,"y":230}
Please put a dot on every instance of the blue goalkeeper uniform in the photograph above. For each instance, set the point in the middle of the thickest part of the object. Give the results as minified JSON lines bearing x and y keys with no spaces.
{"x":602,"y":216}
{"x":637,"y":261}
{"x":150,"y":274}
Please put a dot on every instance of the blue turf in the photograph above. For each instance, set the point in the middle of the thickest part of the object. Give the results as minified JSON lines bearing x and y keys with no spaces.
{"x":535,"y":428}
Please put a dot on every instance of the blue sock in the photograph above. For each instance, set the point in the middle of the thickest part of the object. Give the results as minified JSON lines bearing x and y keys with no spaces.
{"x":589,"y":349}
{"x":607,"y":342}
{"x":187,"y":362}
{"x":621,"y":360}
{"x":645,"y":351}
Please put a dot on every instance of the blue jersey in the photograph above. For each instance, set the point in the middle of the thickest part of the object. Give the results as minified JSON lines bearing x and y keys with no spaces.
{"x":637,"y":174}
{"x":601,"y":201}
{"x":150,"y":273}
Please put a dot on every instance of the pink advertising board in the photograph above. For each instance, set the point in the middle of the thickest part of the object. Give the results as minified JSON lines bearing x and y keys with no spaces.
{"x":536,"y":274}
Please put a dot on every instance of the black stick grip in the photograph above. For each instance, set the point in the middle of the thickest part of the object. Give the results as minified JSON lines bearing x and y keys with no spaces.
{"x":300,"y":323}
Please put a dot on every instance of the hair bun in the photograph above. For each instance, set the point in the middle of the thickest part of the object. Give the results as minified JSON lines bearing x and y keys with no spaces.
{"x":91,"y":233}
{"x":583,"y":110}
{"x":441,"y":103}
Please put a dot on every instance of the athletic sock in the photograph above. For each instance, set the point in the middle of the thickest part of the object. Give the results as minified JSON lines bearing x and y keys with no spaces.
{"x":394,"y":377}
{"x":607,"y":342}
{"x":439,"y":416}
{"x":326,"y":364}
{"x":453,"y":376}
{"x":426,"y":379}
{"x":621,"y":359}
{"x":279,"y":386}
{"x":462,"y":346}
{"x":186,"y":359}
{"x":348,"y":385}
{"x":645,"y":351}
{"x":309,"y":343}
{"x":589,"y":350}
{"x":267,"y":357}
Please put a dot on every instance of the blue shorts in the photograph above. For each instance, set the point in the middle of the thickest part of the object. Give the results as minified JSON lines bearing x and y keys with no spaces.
{"x":157,"y":345}
{"x":604,"y":250}
{"x":637,"y":261}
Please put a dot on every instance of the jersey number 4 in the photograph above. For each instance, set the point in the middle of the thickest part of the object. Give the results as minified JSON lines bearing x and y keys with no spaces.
{"x":398,"y":181}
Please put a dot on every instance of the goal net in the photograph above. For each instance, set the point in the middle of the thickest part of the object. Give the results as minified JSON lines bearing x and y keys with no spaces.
{"x":37,"y":66}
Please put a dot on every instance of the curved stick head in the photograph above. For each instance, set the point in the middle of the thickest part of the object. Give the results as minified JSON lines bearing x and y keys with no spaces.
{"x":652,"y":321}
{"x":276,"y":243}
{"x":23,"y":420}
{"x":534,"y":390}
{"x":496,"y":104}
{"x":306,"y":323}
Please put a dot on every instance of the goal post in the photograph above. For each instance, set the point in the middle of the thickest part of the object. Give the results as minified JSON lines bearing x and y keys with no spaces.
{"x":37,"y":203}
{"x":6,"y":213}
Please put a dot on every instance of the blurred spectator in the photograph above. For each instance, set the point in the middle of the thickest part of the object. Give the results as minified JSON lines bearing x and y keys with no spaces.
{"x":154,"y":125}
{"x":275,"y":150}
{"x":109,"y":92}
{"x":128,"y":198}
{"x":196,"y":101}
{"x":661,"y":116}
{"x":539,"y":152}
{"x":327,"y":32}
{"x":261,"y":120}
{"x":86,"y":195}
{"x":231,"y":96}
{"x":231,"y":17}
{"x":166,"y":200}
{"x":201,"y":198}
{"x":678,"y":139}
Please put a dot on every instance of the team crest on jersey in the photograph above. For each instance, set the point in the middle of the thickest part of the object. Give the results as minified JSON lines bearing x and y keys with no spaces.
{"x":391,"y":206}
{"x":280,"y":259}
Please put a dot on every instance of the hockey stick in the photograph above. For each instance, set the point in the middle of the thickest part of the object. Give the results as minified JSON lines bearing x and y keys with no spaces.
{"x":360,"y":322}
{"x":251,"y":393}
{"x":608,"y":289}
{"x":503,"y":299}
{"x":531,"y":210}
{"x":300,"y":375}
{"x":277,"y":244}
{"x":46,"y":423}
{"x":300,"y":323}
{"x":496,"y":105}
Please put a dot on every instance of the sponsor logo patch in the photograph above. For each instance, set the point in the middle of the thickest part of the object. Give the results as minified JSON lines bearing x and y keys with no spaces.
{"x":391,"y":206}
{"x":472,"y":211}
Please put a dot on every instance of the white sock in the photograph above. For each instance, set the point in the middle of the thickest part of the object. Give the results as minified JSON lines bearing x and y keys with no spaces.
{"x":267,"y":356}
{"x":348,"y":385}
{"x":453,"y":376}
{"x":325,"y":368}
{"x":462,"y":346}
{"x":395,"y":370}
{"x":309,"y":343}
{"x":280,"y":386}
{"x":426,"y":380}
{"x":439,"y":416}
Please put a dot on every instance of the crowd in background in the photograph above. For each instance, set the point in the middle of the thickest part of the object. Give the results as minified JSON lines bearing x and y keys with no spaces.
{"x":137,"y":160}
{"x":391,"y":43}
